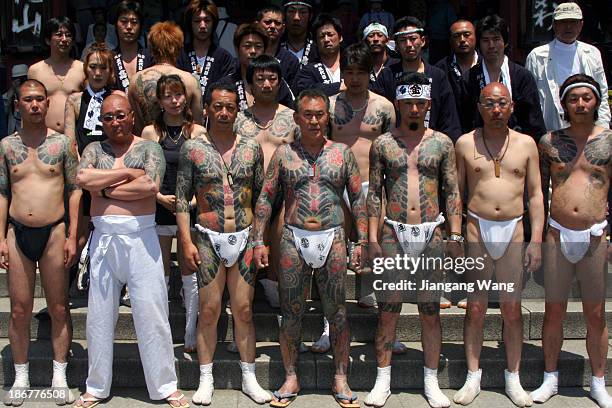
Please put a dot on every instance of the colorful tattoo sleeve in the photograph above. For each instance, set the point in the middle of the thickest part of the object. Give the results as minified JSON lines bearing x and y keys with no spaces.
{"x":184,"y":178}
{"x":355,"y":193}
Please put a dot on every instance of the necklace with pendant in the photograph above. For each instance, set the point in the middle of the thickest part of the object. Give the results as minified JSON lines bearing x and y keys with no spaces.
{"x":312,"y":162}
{"x":230,"y":179}
{"x":497,"y":159}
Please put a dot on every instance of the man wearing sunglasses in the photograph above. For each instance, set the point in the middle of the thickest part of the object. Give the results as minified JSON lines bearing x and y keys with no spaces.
{"x":123,"y":174}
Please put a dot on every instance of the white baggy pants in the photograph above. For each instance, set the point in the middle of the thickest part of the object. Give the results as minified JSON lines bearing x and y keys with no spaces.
{"x":125,"y":249}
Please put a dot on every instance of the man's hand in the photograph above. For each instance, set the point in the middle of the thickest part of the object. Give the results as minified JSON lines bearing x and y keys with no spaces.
{"x":356,"y":259}
{"x":70,"y":249}
{"x":455,"y":249}
{"x":374,"y":251}
{"x":191,"y":256}
{"x":260,"y":254}
{"x":167,"y":201}
{"x":533,"y":257}
{"x":4,"y":255}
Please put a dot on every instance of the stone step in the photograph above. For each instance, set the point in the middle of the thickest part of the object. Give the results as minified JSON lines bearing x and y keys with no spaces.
{"x":363,"y":322}
{"x":315,"y":371}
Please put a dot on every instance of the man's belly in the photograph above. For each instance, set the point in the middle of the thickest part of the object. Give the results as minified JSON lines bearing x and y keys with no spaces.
{"x":103,"y":206}
{"x":55,"y":114}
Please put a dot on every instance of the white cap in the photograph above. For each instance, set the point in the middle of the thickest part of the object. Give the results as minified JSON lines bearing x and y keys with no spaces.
{"x":375,"y":27}
{"x":567,"y":11}
{"x":19,"y":70}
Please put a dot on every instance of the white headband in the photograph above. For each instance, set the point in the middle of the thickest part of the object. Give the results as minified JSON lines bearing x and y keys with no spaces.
{"x":414,"y":91}
{"x":297,"y":3}
{"x":375,"y":27}
{"x":413,"y":31}
{"x":580,"y":85}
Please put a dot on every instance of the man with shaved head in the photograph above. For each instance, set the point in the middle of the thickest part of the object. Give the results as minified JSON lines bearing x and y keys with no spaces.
{"x":166,"y":42}
{"x":123,"y":174}
{"x":37,"y":169}
{"x":495,"y":164}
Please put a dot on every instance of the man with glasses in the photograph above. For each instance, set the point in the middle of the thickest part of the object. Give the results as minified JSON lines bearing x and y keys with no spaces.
{"x":495,"y":165}
{"x":61,"y":74}
{"x":123,"y":174}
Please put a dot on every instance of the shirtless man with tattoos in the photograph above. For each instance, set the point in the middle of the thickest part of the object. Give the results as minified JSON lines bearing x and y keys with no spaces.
{"x":165,"y":41}
{"x":411,"y":162}
{"x":309,"y":175}
{"x":37,"y":168}
{"x":358,"y":116}
{"x":225,"y":172}
{"x":578,"y":160}
{"x":495,"y":165}
{"x":60,"y":74}
{"x":272,"y":125}
{"x":123,"y":174}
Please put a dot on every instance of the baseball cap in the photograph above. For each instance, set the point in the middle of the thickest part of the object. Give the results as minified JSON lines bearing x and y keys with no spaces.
{"x":19,"y":70}
{"x":567,"y":11}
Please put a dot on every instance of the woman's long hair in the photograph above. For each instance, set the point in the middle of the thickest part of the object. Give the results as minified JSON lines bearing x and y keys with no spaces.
{"x":173,"y":83}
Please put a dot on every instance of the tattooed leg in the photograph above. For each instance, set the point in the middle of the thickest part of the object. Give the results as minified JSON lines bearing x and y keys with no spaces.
{"x":241,"y":287}
{"x":292,"y":281}
{"x":331,"y":282}
{"x":211,"y":282}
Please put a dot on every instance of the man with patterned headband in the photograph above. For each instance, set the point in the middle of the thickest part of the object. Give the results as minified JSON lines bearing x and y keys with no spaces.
{"x":411,"y":162}
{"x":496,"y":165}
{"x":309,"y":175}
{"x":376,"y":37}
{"x":298,"y":40}
{"x":409,"y":41}
{"x":578,"y":161}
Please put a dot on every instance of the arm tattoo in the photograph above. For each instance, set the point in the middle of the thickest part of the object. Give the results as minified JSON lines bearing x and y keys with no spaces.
{"x":5,"y":181}
{"x":544,"y":147}
{"x":450,"y":180}
{"x":263,"y":209}
{"x":598,"y":150}
{"x":70,"y":165}
{"x":429,"y":163}
{"x":377,"y":172}
{"x":148,"y":156}
{"x":98,"y":155}
{"x":355,"y":193}
{"x":184,"y":177}
{"x":258,"y":174}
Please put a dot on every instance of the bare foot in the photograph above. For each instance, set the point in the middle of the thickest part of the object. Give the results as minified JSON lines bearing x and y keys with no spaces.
{"x":290,"y":386}
{"x":177,"y":399}
{"x":341,"y":387}
{"x":87,"y":400}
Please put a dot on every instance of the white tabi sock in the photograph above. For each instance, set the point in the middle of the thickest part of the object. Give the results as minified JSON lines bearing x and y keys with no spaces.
{"x":250,"y":386}
{"x":434,"y":395}
{"x":203,"y":395}
{"x":382,"y":388}
{"x":470,"y":389}
{"x":599,"y":393}
{"x":62,"y":394}
{"x":22,"y":380}
{"x":190,"y":295}
{"x":549,"y":387}
{"x":515,"y":390}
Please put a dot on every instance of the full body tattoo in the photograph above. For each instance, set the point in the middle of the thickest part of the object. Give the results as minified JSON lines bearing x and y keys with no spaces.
{"x":202,"y":172}
{"x":312,"y":201}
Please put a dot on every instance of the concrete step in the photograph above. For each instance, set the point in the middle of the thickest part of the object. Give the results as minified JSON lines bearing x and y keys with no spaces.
{"x":363,"y":322}
{"x":315,"y":371}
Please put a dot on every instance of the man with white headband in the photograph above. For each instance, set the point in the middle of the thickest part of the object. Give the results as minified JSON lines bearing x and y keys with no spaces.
{"x":551,"y":64}
{"x":492,"y":35}
{"x":411,"y":162}
{"x":376,"y":37}
{"x":577,"y":160}
{"x":409,"y":42}
{"x":495,"y":165}
{"x":297,"y":40}
{"x":309,"y":175}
